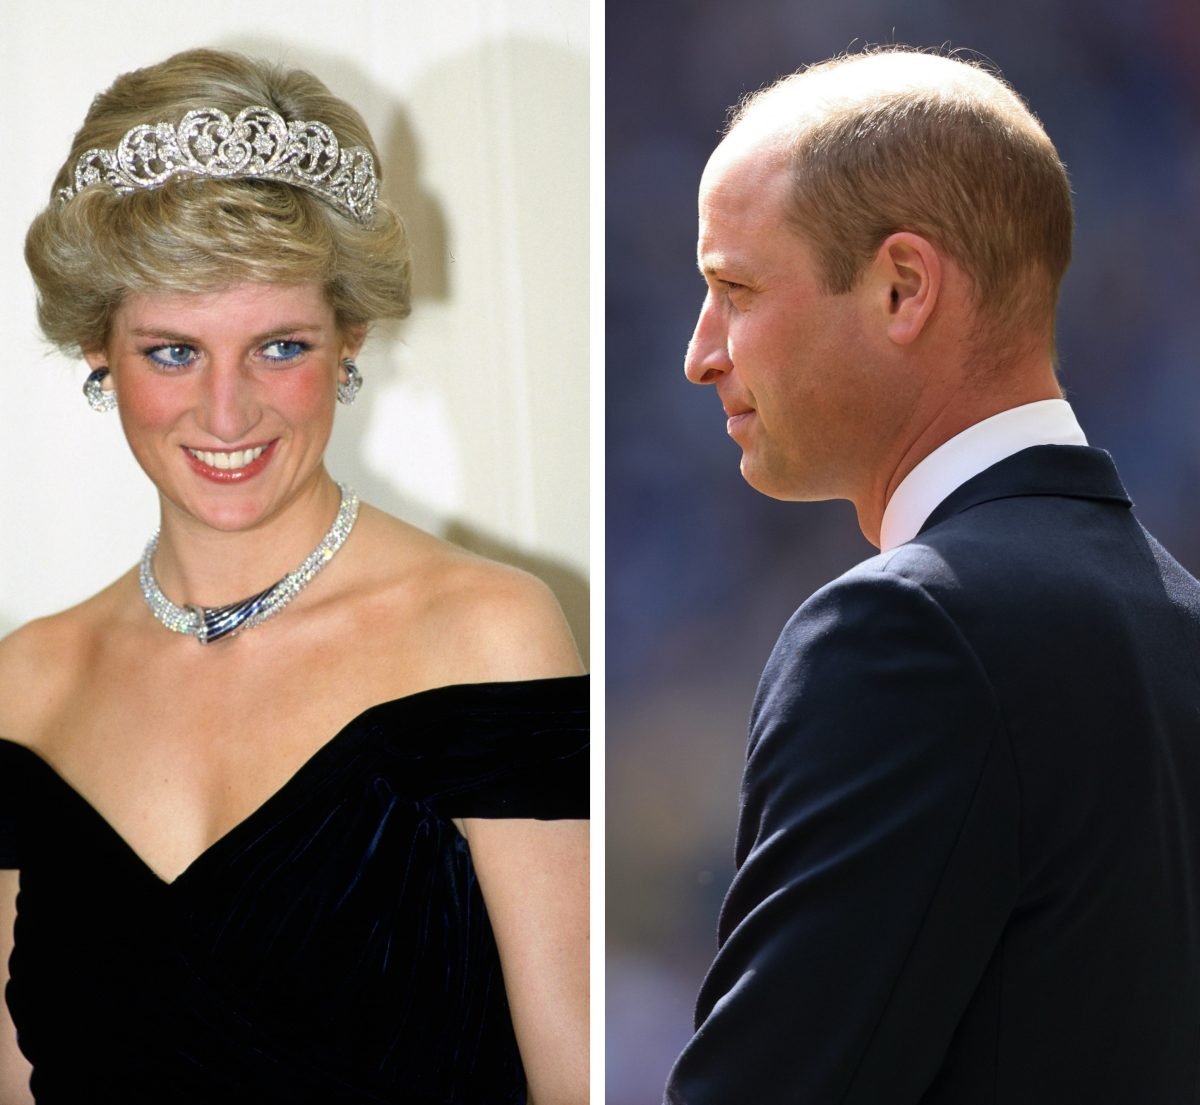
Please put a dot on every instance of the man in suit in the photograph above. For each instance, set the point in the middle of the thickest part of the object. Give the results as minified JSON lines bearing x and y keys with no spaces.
{"x":969,"y":841}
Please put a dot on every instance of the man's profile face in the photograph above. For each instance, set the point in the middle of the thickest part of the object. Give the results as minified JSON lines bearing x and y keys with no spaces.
{"x":786,"y":358}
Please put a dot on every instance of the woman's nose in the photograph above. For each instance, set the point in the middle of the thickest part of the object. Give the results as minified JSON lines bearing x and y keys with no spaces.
{"x":229,"y":401}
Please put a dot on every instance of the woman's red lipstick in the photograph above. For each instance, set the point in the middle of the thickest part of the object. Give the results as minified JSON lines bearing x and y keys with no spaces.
{"x":239,"y":464}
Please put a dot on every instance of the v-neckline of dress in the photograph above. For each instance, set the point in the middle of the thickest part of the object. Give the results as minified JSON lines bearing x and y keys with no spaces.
{"x":294,"y":785}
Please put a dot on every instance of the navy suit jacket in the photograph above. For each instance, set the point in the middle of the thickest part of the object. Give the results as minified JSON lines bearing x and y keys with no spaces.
{"x":969,"y":841}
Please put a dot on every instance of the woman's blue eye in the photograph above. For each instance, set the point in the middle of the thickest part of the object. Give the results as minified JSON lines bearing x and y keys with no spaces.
{"x":172,"y":356}
{"x":284,"y":350}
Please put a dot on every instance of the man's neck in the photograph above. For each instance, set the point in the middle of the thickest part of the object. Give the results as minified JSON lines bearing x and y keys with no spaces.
{"x":966,"y":455}
{"x":963,"y":409}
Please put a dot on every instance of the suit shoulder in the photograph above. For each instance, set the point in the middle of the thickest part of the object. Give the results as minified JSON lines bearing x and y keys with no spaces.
{"x":875,"y":635}
{"x":897,"y":586}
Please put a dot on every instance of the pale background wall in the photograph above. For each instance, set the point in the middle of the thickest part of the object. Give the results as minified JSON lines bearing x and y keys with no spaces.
{"x":473,"y":419}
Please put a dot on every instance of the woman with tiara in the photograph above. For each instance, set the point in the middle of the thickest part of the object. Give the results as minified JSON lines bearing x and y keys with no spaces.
{"x":297,"y":804}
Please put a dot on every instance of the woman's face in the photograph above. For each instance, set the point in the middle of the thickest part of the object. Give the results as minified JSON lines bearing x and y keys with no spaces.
{"x":227,"y":397}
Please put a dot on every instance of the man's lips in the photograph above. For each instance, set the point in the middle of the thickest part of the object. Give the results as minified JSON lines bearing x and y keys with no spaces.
{"x":735,"y":417}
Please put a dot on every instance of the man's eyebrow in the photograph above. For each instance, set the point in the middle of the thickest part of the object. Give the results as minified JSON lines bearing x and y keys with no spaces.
{"x":711,"y":263}
{"x":721,"y":266}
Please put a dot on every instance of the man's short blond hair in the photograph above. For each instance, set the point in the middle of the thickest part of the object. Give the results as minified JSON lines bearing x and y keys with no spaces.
{"x":892,"y":139}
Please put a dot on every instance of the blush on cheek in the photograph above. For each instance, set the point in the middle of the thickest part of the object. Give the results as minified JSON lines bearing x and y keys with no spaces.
{"x":308,"y":387}
{"x":149,"y":403}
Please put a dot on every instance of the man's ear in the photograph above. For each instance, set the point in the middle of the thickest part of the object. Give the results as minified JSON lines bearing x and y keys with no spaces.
{"x":907,"y":275}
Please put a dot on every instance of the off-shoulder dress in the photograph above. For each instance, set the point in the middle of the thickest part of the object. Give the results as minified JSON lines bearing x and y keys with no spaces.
{"x":332,"y":948}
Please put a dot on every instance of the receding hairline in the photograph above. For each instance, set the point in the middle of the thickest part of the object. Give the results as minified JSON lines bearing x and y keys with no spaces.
{"x":895,"y":139}
{"x":783,"y":111}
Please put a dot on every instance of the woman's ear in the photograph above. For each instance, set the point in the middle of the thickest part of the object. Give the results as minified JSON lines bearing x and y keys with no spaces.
{"x":96,"y":358}
{"x":908,"y":271}
{"x":352,"y":340}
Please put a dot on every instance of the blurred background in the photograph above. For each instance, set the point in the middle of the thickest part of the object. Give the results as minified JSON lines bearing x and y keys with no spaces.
{"x":702,"y":572}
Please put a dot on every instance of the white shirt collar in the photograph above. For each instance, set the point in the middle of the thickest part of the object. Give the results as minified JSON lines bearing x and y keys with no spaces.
{"x":951,"y":464}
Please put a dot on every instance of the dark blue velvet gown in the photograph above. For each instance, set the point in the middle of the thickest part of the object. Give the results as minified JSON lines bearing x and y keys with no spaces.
{"x":331,"y":948}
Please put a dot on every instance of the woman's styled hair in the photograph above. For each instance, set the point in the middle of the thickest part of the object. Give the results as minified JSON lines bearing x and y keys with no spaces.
{"x":205,"y":233}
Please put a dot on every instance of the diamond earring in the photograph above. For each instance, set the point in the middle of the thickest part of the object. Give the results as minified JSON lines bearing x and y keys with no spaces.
{"x":348,"y":391}
{"x":99,"y":399}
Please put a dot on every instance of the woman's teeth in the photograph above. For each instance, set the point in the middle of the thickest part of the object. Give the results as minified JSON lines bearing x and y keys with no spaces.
{"x":239,"y":458}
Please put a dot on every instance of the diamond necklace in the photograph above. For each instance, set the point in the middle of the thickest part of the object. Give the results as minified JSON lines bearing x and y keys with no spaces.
{"x":211,"y":623}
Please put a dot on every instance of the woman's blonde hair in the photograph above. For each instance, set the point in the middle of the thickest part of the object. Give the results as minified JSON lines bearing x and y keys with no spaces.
{"x":201,"y":234}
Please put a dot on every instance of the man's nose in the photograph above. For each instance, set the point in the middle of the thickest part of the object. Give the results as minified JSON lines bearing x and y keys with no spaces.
{"x":707,"y":358}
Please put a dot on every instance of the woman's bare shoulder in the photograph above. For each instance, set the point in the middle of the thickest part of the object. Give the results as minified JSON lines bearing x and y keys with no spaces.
{"x":489,"y":620}
{"x":43,"y":661}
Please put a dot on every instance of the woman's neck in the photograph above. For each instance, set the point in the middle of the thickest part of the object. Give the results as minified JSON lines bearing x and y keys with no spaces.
{"x":199,"y":564}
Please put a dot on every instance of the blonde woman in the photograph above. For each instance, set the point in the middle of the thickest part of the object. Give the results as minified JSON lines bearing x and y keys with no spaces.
{"x":296,"y":805}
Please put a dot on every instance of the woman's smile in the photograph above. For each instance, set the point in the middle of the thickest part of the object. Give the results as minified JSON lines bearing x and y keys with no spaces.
{"x":230,"y":465}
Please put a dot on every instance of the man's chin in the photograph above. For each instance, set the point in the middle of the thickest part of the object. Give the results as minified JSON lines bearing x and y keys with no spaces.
{"x":766,"y":480}
{"x":786,"y":487}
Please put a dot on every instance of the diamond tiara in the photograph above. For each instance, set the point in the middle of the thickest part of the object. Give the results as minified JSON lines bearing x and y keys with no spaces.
{"x":257,"y":144}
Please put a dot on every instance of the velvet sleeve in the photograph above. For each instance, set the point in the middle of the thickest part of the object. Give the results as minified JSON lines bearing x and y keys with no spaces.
{"x":13,"y":759}
{"x":517,"y":749}
{"x":876,"y":856}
